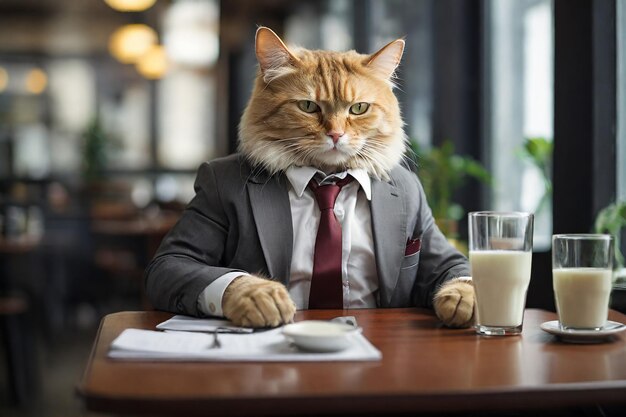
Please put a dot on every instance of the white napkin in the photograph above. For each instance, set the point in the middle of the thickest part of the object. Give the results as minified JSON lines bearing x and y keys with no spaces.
{"x":270,"y":345}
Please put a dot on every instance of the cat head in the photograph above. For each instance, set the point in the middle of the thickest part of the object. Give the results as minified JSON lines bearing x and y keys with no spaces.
{"x":329,"y":110}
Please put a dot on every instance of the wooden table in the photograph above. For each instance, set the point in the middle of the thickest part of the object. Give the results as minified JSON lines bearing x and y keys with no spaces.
{"x":18,"y":245}
{"x":425,"y":368}
{"x":151,"y":229}
{"x":124,"y":247}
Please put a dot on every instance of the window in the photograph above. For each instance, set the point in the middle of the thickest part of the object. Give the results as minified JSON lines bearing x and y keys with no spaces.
{"x":519,"y":105}
{"x":621,"y":97}
{"x":414,"y":21}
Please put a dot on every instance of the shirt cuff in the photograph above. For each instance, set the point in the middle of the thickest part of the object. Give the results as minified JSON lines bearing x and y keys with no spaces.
{"x":466,"y":279}
{"x":210,"y":299}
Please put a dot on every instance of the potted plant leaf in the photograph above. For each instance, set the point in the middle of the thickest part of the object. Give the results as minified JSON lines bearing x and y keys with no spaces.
{"x":611,"y":220}
{"x":441,"y":173}
{"x":95,"y":150}
{"x":538,"y":151}
{"x":105,"y":197}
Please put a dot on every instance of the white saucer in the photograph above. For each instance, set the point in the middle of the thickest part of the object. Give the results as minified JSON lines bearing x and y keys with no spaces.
{"x":583,"y":336}
{"x":320,"y":336}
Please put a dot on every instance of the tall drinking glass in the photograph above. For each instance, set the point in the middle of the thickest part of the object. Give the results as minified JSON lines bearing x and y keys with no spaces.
{"x":581,"y":277}
{"x":500,"y":254}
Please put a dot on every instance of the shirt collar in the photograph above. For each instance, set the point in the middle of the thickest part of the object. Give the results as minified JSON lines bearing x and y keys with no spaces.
{"x":299,"y":178}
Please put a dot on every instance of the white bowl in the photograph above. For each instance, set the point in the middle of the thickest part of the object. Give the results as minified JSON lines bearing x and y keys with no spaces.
{"x":320,"y":336}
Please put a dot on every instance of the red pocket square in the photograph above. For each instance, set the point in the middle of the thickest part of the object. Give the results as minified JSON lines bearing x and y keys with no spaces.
{"x":412,"y":246}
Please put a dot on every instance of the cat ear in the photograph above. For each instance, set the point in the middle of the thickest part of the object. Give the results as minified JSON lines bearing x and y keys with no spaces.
{"x":272,"y":54}
{"x":386,"y":60}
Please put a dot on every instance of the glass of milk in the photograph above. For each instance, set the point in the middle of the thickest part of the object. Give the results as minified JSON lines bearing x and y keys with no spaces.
{"x":581,"y":277}
{"x":500,"y":254}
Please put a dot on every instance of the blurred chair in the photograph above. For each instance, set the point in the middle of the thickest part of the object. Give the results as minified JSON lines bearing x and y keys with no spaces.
{"x":17,"y":330}
{"x":125,"y":239}
{"x":19,"y":346}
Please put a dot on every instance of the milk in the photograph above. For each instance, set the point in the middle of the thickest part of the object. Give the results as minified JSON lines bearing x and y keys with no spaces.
{"x":582,"y":296}
{"x":501,"y":279}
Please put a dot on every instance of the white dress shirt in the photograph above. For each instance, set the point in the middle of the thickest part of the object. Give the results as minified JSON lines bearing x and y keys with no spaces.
{"x":358,"y":266}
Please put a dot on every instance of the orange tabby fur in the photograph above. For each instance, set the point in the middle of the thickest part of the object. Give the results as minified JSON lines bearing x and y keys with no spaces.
{"x":275,"y":133}
{"x":454,"y":303}
{"x":256,"y":302}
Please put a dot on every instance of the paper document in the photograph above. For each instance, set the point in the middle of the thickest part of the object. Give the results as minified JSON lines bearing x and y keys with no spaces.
{"x":193,"y":324}
{"x":137,"y":340}
{"x":270,"y":345}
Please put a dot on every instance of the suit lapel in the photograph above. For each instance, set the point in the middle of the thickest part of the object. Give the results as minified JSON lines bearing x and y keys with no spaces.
{"x":389,"y":230}
{"x":272,"y":214}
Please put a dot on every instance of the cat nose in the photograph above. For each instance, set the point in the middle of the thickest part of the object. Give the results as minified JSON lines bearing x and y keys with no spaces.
{"x":335,"y":135}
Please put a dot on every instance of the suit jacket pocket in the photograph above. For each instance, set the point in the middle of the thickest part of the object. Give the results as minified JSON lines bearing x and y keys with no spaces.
{"x":406,"y":281}
{"x":412,"y":246}
{"x":410,"y":261}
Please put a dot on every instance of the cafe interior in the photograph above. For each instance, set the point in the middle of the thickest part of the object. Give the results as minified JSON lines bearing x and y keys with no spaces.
{"x":108,"y":107}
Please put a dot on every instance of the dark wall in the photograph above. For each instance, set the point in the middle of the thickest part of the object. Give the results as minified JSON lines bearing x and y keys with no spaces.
{"x":457,"y":90}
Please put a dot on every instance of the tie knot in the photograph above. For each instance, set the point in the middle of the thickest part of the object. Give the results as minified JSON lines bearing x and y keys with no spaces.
{"x":326,"y":195}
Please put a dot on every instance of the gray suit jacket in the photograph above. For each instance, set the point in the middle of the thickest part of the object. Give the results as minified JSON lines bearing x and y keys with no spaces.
{"x":240,"y":220}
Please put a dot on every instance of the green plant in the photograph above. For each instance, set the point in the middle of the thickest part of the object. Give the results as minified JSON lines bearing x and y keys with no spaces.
{"x":538,"y":151}
{"x":95,"y":150}
{"x":611,"y":220}
{"x":442,"y":172}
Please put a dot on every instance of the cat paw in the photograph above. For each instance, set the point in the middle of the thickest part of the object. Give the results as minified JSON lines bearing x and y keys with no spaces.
{"x":454,"y":303}
{"x":256,"y":302}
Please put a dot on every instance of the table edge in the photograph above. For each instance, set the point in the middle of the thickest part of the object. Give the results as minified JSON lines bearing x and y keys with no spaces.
{"x":494,"y":398}
{"x":554,"y":396}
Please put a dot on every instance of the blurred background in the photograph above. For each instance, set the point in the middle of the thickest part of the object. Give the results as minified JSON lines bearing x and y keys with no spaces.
{"x":107,"y":108}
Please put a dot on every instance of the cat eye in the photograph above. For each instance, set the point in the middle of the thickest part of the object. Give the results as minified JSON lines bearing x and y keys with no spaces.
{"x":308,"y":106}
{"x":359,"y":108}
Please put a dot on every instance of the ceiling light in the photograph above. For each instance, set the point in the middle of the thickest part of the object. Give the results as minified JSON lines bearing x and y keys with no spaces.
{"x":130,"y":5}
{"x":130,"y":42}
{"x":4,"y":79}
{"x":153,"y":64}
{"x":36,"y":81}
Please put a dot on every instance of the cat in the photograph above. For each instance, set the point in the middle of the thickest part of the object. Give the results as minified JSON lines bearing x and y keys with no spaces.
{"x":276,"y":136}
{"x":330,"y":112}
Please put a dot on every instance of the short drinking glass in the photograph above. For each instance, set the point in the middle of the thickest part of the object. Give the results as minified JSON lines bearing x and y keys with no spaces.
{"x":581,"y":278}
{"x":500,"y":254}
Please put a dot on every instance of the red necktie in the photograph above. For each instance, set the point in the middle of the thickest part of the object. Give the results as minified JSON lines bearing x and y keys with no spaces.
{"x":326,"y":283}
